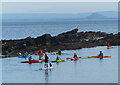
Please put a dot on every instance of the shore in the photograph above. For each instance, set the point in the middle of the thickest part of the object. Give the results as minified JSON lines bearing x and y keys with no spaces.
{"x":65,"y":41}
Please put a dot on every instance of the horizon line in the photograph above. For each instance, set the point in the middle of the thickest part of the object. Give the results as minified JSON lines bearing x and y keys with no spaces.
{"x":58,"y":13}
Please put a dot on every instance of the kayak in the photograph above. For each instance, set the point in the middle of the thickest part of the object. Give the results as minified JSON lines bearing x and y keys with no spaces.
{"x":108,"y":47}
{"x":98,"y":56}
{"x":32,"y":61}
{"x":73,"y":58}
{"x":58,"y":61}
{"x":22,"y":57}
{"x":57,"y":54}
{"x":46,"y":68}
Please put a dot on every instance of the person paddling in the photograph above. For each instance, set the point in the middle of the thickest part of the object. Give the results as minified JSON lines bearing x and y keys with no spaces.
{"x":108,"y":45}
{"x":40,"y":53}
{"x":75,"y":55}
{"x":101,"y":55}
{"x":30,"y":58}
{"x":26,"y":54}
{"x":58,"y":58}
{"x":59,"y":52}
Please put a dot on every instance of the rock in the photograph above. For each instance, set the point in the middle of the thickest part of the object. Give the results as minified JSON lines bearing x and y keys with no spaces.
{"x":65,"y":41}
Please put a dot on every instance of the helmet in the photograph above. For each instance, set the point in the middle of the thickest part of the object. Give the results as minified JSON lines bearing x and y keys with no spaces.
{"x":26,"y":52}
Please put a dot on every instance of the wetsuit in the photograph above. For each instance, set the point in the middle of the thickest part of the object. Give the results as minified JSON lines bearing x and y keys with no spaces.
{"x":46,"y":60}
{"x":30,"y":58}
{"x":75,"y":56}
{"x":100,"y":55}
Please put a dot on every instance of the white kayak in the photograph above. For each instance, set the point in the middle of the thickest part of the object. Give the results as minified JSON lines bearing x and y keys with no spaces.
{"x":45,"y":68}
{"x":49,"y":66}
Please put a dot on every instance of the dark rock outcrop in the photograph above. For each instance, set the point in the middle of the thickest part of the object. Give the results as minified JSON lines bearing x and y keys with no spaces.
{"x":65,"y":41}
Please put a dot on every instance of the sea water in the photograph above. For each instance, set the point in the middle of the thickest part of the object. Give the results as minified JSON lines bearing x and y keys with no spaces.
{"x":19,"y":30}
{"x":85,"y":70}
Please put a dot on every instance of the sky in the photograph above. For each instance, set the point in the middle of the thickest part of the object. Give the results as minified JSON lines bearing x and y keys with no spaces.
{"x":58,"y":7}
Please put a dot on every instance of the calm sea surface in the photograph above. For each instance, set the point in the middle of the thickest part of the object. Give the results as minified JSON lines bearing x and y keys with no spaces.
{"x":18,"y":30}
{"x":85,"y":70}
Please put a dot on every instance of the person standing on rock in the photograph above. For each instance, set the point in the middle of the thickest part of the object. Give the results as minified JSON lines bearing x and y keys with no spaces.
{"x":40,"y":53}
{"x":101,"y":55}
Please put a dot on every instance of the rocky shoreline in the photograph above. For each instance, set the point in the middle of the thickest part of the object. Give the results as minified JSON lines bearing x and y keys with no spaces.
{"x":65,"y":41}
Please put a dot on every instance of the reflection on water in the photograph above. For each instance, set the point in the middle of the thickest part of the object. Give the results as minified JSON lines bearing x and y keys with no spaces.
{"x":46,"y":76}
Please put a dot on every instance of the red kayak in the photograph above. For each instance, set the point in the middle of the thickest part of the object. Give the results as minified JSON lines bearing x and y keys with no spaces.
{"x":73,"y":58}
{"x":98,"y":56}
{"x":32,"y":61}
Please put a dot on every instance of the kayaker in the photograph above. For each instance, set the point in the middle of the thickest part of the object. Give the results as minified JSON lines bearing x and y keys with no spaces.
{"x":20,"y":54}
{"x":75,"y":55}
{"x":30,"y":58}
{"x":26,"y":54}
{"x":40,"y":53}
{"x":46,"y":60}
{"x":108,"y":45}
{"x":59,"y":52}
{"x":100,"y":55}
{"x":58,"y":58}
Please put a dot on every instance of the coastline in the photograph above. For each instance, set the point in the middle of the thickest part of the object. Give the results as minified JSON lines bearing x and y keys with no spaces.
{"x":70,"y":40}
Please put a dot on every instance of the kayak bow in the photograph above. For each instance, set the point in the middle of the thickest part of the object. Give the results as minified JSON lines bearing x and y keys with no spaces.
{"x":32,"y":61}
{"x":22,"y":57}
{"x":58,"y":61}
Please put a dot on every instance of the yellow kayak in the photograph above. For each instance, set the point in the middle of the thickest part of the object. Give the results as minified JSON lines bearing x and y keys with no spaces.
{"x":108,"y":47}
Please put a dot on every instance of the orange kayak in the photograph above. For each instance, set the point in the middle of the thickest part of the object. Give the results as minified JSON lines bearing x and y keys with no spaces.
{"x":98,"y":56}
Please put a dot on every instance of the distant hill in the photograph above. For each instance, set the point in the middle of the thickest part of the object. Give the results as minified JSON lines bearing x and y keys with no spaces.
{"x":33,"y":17}
{"x":110,"y":14}
{"x":96,"y":16}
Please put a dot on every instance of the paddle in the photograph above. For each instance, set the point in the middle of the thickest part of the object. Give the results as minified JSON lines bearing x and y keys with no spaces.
{"x":54,"y":61}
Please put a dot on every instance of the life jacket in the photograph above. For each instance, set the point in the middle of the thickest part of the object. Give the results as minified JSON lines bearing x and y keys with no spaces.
{"x":75,"y":56}
{"x":30,"y":58}
{"x":57,"y":58}
{"x":101,"y":54}
{"x":20,"y":53}
{"x":40,"y":52}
